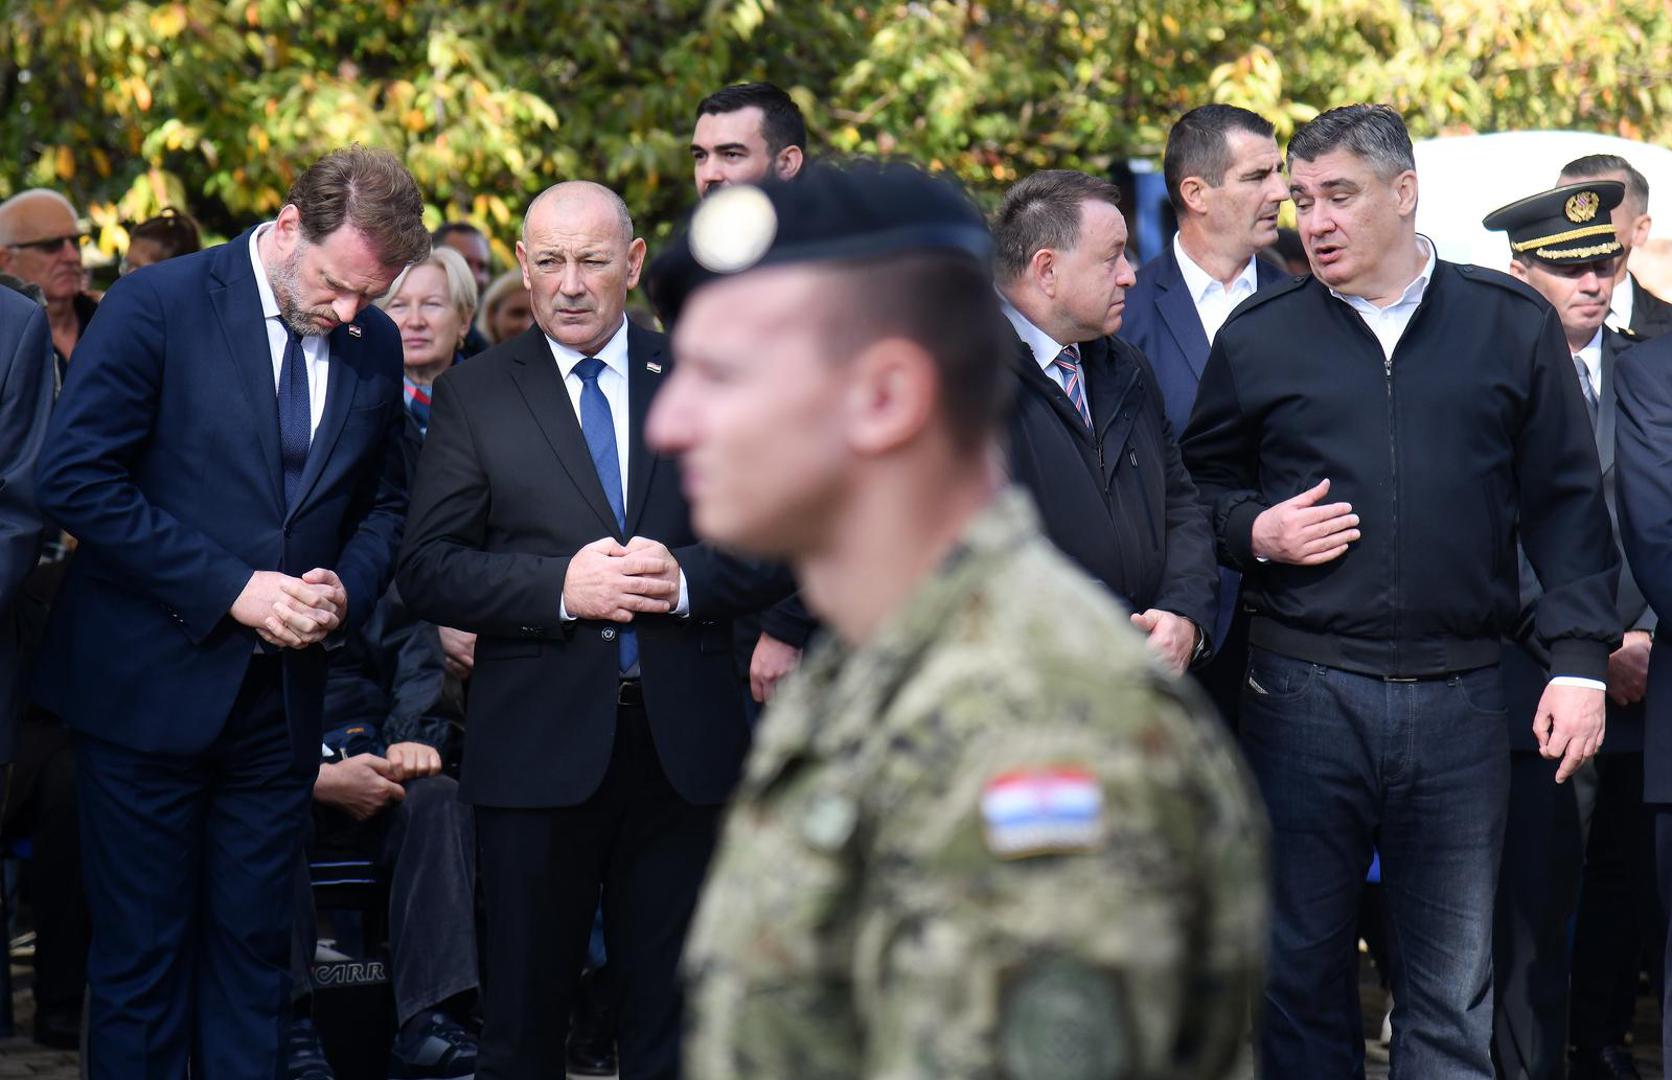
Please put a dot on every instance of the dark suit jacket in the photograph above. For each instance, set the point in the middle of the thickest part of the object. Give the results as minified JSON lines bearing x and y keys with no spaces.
{"x":162,"y":459}
{"x":1525,"y":661}
{"x":1643,"y":461}
{"x":1118,"y":500}
{"x":1161,"y":321}
{"x":506,"y":493}
{"x":1650,"y":315}
{"x":26,"y":385}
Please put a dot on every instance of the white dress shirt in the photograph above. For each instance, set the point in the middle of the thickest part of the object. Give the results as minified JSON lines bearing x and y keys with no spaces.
{"x":1620,"y":307}
{"x":1045,"y":348}
{"x":1591,"y":357}
{"x":1214,"y":302}
{"x":612,"y":382}
{"x":316,"y":349}
{"x":1389,"y":323}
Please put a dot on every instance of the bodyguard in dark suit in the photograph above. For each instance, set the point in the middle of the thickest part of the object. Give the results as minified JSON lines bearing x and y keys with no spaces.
{"x":26,"y":384}
{"x":1539,"y":879}
{"x":1643,"y":446}
{"x":1088,"y":437}
{"x":605,"y":720}
{"x":1632,"y":306}
{"x":1225,"y":180}
{"x":226,"y":449}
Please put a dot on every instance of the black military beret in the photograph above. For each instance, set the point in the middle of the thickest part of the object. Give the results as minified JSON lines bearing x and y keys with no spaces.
{"x":1569,"y":224}
{"x":858,"y":210}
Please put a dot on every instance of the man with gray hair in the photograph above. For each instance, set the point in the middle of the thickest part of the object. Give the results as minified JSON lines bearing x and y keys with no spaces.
{"x":1633,"y":307}
{"x":1088,"y":435}
{"x":40,"y":242}
{"x":605,"y":721}
{"x":1371,"y":484}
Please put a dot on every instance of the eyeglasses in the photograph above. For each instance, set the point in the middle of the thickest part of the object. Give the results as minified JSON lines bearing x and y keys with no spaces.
{"x":52,"y":243}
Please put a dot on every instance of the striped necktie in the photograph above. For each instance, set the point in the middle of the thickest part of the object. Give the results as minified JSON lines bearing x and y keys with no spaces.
{"x":1069,"y":362}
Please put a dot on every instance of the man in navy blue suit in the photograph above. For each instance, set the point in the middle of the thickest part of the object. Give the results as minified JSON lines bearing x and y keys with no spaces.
{"x":1643,"y":461}
{"x":1225,"y":180}
{"x":227,"y":451}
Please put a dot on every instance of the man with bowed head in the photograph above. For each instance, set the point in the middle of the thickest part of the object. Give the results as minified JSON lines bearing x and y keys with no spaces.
{"x":227,"y":451}
{"x":605,"y":720}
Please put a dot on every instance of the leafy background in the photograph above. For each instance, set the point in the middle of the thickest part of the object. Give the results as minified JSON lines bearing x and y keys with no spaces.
{"x":213,"y":104}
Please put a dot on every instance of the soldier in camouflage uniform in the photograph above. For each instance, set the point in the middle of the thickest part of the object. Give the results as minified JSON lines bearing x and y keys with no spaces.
{"x":980,"y":833}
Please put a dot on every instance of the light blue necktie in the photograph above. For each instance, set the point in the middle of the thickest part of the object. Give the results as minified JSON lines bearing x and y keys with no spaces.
{"x":598,"y":425}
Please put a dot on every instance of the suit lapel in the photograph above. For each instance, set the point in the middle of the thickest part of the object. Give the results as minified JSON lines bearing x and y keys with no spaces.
{"x":341,"y":378}
{"x":540,"y":383}
{"x":237,"y":304}
{"x":642,"y":351}
{"x":1178,"y":311}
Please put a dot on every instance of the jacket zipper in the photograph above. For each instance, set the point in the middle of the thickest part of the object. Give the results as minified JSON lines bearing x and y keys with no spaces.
{"x":1393,"y":470}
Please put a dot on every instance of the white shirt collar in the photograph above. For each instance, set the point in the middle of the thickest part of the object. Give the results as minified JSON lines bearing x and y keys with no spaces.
{"x":1201,"y":283}
{"x":613,"y":354}
{"x":269,"y":302}
{"x":1619,"y":308}
{"x":1044,"y":348}
{"x":1412,"y":296}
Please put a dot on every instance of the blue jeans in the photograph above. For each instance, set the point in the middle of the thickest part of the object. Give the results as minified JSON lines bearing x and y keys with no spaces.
{"x":1419,"y":770}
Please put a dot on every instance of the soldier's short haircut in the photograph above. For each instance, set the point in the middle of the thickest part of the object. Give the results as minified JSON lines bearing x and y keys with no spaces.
{"x":449,"y":228}
{"x":1043,"y":211}
{"x":369,"y":190}
{"x":1593,"y":166}
{"x":781,"y":121}
{"x":1375,"y":133}
{"x":1200,"y":145}
{"x":943,"y":302}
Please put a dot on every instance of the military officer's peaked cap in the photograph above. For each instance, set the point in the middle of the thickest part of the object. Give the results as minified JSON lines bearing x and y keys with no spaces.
{"x":829,"y":213}
{"x":1569,"y":224}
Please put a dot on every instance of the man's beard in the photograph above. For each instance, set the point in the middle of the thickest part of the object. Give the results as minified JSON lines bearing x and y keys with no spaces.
{"x":286,"y":282}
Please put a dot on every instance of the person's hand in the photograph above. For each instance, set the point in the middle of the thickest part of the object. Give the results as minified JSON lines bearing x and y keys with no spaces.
{"x":1300,"y":532}
{"x":412,"y":761}
{"x":285,"y":611}
{"x":1172,"y":638}
{"x":363,"y":786}
{"x":458,"y":652}
{"x":1628,"y":668}
{"x":605,"y":581}
{"x":1568,"y":725}
{"x":771,"y":661}
{"x":640,"y":545}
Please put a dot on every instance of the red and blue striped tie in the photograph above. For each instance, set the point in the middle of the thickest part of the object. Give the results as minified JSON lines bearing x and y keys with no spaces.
{"x":1069,"y":361}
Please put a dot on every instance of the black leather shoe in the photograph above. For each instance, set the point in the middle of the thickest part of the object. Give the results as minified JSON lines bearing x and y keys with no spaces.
{"x":591,"y":1057}
{"x":1608,"y":1063}
{"x":591,"y":1049}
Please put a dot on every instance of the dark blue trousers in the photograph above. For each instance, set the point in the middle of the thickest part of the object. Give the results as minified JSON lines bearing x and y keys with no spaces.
{"x":1349,"y":763}
{"x":189,"y":861}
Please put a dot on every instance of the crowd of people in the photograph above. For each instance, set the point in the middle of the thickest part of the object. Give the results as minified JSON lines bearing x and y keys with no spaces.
{"x":328,"y":542}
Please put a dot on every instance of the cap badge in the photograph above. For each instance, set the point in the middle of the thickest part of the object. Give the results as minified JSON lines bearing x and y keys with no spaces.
{"x":1582,"y":207}
{"x":732,"y":229}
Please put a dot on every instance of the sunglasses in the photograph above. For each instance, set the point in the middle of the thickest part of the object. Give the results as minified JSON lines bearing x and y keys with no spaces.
{"x":52,"y":243}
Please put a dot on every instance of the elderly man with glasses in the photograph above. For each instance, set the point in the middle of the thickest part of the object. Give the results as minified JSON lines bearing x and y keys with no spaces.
{"x":40,"y":242}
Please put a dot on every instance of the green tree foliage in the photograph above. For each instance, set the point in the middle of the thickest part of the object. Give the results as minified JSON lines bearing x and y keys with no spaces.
{"x":213,"y":104}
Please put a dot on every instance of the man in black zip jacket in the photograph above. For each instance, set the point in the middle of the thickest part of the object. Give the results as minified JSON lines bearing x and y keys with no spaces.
{"x":1438,"y":404}
{"x":1088,"y":429}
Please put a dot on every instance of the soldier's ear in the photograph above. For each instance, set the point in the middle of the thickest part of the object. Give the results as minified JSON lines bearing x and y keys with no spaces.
{"x":892,"y":395}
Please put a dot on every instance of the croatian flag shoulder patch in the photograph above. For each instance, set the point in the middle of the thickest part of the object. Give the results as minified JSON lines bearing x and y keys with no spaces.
{"x":1054,"y":810}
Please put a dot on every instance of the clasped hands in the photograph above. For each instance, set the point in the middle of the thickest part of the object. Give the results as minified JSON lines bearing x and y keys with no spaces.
{"x":609,"y":581}
{"x":292,"y":612}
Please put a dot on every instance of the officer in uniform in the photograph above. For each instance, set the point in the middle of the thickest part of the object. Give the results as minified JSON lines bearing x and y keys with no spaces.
{"x":1563,"y":244}
{"x":980,"y":832}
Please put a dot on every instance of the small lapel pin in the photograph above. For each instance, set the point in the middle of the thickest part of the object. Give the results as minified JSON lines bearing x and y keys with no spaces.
{"x":653,"y":367}
{"x":353,"y":330}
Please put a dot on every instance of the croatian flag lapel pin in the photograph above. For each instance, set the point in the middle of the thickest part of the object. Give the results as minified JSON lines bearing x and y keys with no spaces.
{"x":353,"y":330}
{"x":653,"y":367}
